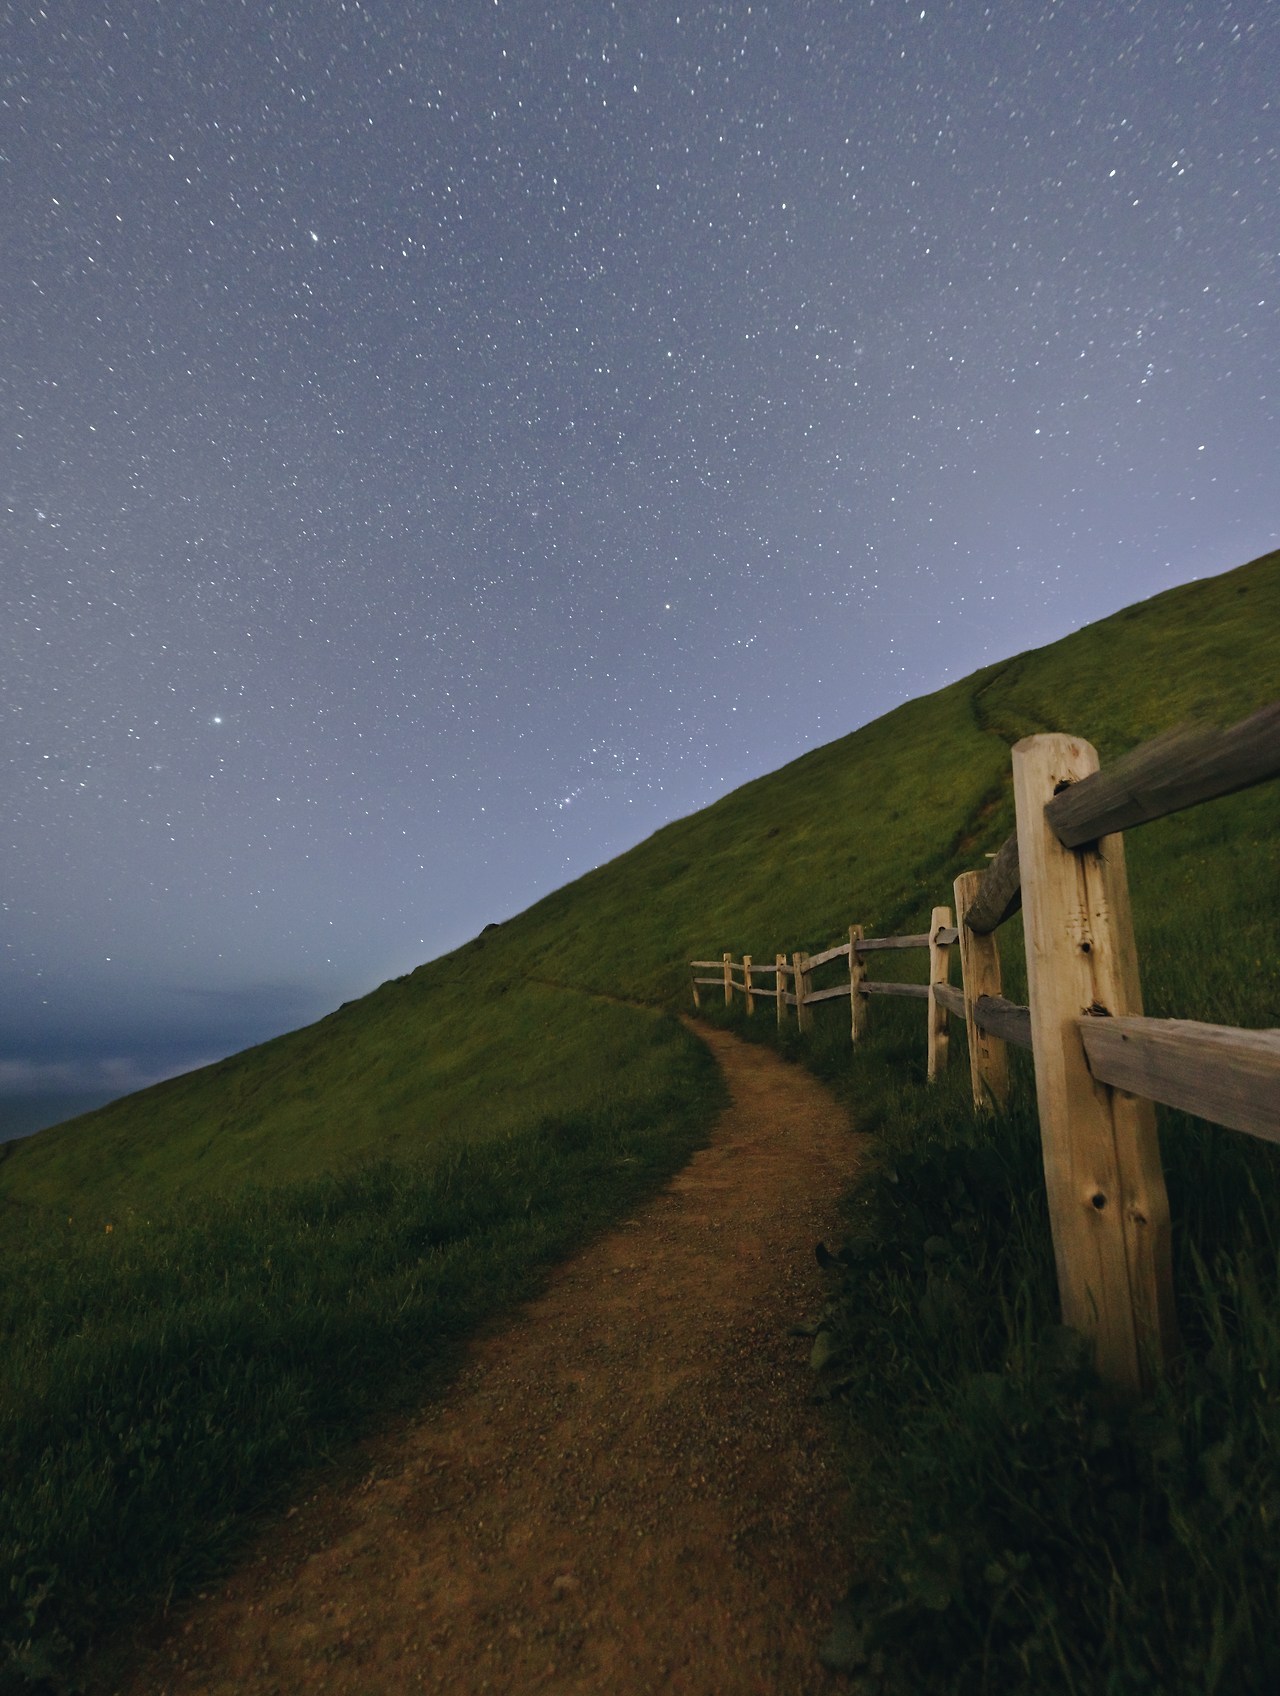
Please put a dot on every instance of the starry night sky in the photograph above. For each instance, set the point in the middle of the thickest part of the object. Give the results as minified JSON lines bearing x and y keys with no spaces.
{"x":443,"y":442}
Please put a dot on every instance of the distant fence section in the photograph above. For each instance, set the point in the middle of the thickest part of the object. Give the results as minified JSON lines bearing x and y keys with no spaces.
{"x":1100,"y":1065}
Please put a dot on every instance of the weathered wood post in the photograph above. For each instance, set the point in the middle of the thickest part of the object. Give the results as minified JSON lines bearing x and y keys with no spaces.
{"x":746,"y":980}
{"x":980,"y":973}
{"x":1107,"y":1203}
{"x":857,"y":1000}
{"x":727,"y":960}
{"x":939,"y":972}
{"x":697,"y":998}
{"x":804,"y":1018}
{"x":780,"y":984}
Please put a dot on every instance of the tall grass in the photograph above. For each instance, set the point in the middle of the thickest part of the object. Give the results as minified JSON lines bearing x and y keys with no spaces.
{"x":163,"y":1379}
{"x":1027,"y":1533}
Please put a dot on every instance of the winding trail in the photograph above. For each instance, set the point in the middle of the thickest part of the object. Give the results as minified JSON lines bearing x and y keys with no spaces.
{"x":627,"y":1489}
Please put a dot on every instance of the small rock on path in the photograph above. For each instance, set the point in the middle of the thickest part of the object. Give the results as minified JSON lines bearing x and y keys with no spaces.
{"x":627,"y":1489}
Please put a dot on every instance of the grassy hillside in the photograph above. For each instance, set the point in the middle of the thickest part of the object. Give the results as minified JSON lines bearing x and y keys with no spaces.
{"x":367,"y":1188}
{"x":456,"y":1052}
{"x":871,"y":827}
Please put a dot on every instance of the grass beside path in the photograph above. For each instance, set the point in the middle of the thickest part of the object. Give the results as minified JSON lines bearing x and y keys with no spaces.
{"x":163,"y":1379}
{"x":1022,"y":1532}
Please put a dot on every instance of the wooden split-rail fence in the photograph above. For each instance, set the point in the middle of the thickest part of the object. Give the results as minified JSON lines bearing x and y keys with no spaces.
{"x":1100,"y":1065}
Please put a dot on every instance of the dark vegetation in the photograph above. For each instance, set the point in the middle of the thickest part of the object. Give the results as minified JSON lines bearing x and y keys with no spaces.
{"x":168,"y":1377}
{"x":1016,"y":1529}
{"x":300,"y":1234}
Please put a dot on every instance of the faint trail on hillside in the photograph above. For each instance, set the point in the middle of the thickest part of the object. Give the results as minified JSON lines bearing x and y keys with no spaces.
{"x":626,"y":1490}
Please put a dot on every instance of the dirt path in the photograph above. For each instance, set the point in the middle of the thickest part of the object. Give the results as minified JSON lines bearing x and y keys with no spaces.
{"x":627,"y":1488}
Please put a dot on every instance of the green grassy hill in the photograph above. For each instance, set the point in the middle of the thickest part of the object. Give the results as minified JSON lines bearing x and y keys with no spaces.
{"x":870,"y":828}
{"x":210,"y":1283}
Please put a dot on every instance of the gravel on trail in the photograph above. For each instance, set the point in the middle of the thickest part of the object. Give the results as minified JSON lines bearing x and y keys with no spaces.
{"x":628,"y":1488}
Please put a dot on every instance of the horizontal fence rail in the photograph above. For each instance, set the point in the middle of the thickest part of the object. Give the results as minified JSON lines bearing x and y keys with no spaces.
{"x":910,"y":991}
{"x":1216,"y":1071}
{"x":1004,"y":1019}
{"x":1180,"y":769}
{"x":999,"y":893}
{"x":950,"y":997}
{"x":841,"y":951}
{"x":1099,"y":1063}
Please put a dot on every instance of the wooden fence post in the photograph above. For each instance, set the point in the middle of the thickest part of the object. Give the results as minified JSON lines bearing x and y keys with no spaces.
{"x":1107,"y":1202}
{"x":804,"y":1018}
{"x":728,"y":978}
{"x":780,"y":984}
{"x":980,"y":974}
{"x":857,"y":1001}
{"x":939,"y":972}
{"x":697,"y":999}
{"x":746,"y":980}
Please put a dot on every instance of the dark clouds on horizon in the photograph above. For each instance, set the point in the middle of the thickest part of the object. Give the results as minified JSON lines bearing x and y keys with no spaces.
{"x":443,"y":443}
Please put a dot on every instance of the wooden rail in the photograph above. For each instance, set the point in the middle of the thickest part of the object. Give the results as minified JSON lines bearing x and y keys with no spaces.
{"x":1100,"y":1064}
{"x":838,"y":992}
{"x":1187,"y":765}
{"x":999,"y":893}
{"x":1180,"y":769}
{"x":1004,"y":1019}
{"x":874,"y":944}
{"x":840,"y":951}
{"x":867,"y":945}
{"x":1215,"y":1071}
{"x":948,"y":996}
{"x":942,"y":997}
